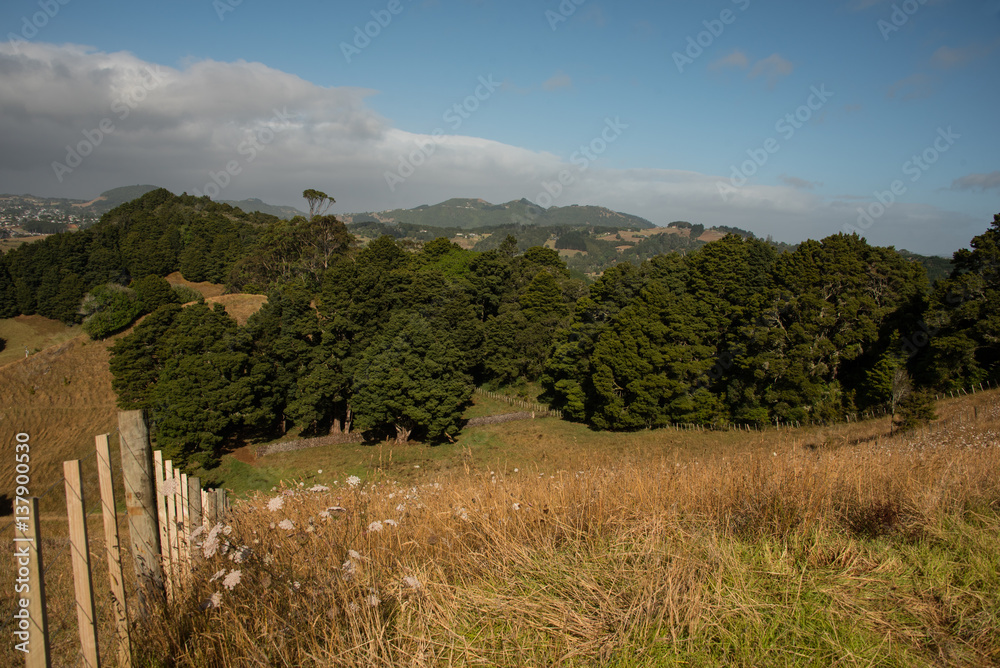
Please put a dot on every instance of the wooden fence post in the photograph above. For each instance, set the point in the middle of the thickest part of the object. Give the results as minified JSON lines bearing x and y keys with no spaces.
{"x":114,"y":551}
{"x":220,"y":503}
{"x":211,"y":508}
{"x":80,"y":553}
{"x":184,"y":517}
{"x":140,"y":503}
{"x":194,"y":501}
{"x":161,"y":518}
{"x":38,"y":626}
{"x":170,"y":499}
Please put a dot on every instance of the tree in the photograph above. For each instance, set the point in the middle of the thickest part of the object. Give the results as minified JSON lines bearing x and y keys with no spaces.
{"x":108,"y":309}
{"x":915,"y":410}
{"x":152,"y":292}
{"x":319,"y":202}
{"x":889,"y":383}
{"x":963,"y":321}
{"x":409,"y":380}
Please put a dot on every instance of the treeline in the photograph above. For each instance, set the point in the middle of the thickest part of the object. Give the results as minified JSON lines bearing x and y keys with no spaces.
{"x":736,"y":332}
{"x":388,"y":342}
{"x":157,"y":234}
{"x":390,"y":339}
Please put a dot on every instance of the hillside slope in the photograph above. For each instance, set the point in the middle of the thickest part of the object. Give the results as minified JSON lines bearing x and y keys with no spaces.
{"x":62,"y":398}
{"x":477,"y":213}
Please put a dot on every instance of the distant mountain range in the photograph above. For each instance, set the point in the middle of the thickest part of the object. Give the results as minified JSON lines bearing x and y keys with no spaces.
{"x":470,"y":214}
{"x":117,"y":196}
{"x":254,"y":204}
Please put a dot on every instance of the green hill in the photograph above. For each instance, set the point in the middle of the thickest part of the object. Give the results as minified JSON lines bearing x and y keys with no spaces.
{"x":254,"y":204}
{"x":109,"y":199}
{"x":477,"y":213}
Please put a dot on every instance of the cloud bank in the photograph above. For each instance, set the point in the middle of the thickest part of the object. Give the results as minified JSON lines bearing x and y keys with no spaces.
{"x":243,"y":129}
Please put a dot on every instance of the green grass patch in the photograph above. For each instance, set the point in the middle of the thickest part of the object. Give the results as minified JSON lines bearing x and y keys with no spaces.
{"x":34,"y":333}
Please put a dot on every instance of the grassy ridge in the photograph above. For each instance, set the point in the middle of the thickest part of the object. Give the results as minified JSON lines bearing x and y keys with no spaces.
{"x":790,"y":549}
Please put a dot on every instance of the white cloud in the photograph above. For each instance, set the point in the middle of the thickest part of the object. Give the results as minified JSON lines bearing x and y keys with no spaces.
{"x":193,"y":122}
{"x":947,"y":57}
{"x":735,"y":59}
{"x":771,"y":68}
{"x":557,"y":80}
{"x":982,"y":182}
{"x":799,"y":184}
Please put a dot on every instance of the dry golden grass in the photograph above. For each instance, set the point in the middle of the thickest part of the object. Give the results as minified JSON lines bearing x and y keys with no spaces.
{"x":239,"y":306}
{"x":34,"y":333}
{"x":843,"y":547}
{"x":62,"y":398}
{"x":206,"y":289}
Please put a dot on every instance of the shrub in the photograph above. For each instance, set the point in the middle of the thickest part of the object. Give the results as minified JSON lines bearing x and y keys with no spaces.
{"x":108,"y":309}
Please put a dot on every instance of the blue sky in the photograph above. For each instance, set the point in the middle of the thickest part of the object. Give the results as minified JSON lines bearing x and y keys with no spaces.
{"x":894,"y":78}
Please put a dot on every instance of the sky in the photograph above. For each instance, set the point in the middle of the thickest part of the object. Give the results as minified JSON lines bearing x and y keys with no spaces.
{"x":795,"y":120}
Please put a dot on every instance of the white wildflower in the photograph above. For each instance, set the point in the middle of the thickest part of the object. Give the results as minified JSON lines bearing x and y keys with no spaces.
{"x":286,"y":524}
{"x":391,"y":523}
{"x":217,"y":575}
{"x":276,"y":504}
{"x":268,"y":559}
{"x":375,"y":526}
{"x":231,"y":580}
{"x":354,"y":481}
{"x":216,"y":599}
{"x":411,"y":582}
{"x":319,"y":488}
{"x":401,"y":508}
{"x":319,"y":470}
{"x":211,"y":544}
{"x":240,"y":554}
{"x":517,"y":506}
{"x":325,"y":514}
{"x":353,"y":554}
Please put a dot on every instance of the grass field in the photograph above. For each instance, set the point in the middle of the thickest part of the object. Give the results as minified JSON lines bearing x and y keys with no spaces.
{"x":34,"y":333}
{"x":542,"y":542}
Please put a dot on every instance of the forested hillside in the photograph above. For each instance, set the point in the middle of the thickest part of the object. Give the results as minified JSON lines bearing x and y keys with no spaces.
{"x":390,"y":339}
